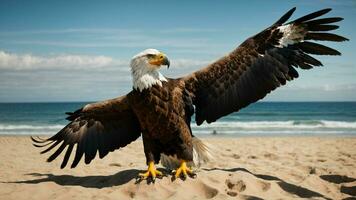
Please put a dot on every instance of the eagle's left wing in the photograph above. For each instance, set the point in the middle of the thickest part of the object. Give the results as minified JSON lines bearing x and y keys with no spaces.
{"x":260,"y":64}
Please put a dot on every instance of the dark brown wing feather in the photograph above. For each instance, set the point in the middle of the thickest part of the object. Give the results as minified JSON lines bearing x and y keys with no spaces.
{"x":259,"y":65}
{"x":103,"y":127}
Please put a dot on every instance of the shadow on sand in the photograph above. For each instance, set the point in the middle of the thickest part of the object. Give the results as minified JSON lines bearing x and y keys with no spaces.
{"x":337,"y":179}
{"x":101,"y":181}
{"x":117,"y":179}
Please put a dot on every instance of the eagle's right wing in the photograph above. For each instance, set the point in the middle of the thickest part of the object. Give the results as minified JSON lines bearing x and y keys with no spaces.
{"x":103,"y":126}
{"x":260,"y":64}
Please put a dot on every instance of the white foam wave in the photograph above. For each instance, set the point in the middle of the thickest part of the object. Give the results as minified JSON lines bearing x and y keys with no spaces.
{"x":224,"y":127}
{"x":274,"y":132}
{"x":5,"y":127}
{"x":253,"y":125}
{"x":28,"y":132}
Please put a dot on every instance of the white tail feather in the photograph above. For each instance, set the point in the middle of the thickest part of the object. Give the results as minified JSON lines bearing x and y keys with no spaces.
{"x":201,"y":154}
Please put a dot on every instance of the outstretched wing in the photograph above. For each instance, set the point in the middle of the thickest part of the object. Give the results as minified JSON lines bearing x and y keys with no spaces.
{"x":103,"y":126}
{"x":260,"y":64}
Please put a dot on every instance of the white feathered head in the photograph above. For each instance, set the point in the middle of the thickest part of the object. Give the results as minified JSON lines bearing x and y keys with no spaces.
{"x":145,"y":66}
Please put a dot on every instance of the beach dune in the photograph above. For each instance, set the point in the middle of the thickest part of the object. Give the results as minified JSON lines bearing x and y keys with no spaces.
{"x":243,"y":168}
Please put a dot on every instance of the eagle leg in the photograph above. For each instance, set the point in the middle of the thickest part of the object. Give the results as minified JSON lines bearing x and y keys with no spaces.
{"x":183,"y":171}
{"x":151,"y":172}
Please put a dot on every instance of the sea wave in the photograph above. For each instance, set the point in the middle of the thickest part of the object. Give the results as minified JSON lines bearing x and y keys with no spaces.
{"x":309,"y":124}
{"x":273,"y":132}
{"x":9,"y":127}
{"x":224,"y":127}
{"x":25,"y":129}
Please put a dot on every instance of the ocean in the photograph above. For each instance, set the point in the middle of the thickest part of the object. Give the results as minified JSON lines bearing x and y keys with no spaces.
{"x":262,"y":118}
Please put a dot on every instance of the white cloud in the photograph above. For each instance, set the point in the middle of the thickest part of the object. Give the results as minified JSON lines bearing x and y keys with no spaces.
{"x":340,"y":87}
{"x":27,"y":62}
{"x":11,"y":61}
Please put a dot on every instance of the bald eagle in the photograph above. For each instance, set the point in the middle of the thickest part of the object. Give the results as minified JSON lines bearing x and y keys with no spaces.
{"x":160,"y":109}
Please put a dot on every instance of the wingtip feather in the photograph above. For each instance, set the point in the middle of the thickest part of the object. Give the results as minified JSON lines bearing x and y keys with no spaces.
{"x":312,"y":15}
{"x":38,"y":140}
{"x":286,"y":16}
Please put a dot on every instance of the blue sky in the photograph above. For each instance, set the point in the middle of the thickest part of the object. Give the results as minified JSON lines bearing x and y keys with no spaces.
{"x":79,"y":50}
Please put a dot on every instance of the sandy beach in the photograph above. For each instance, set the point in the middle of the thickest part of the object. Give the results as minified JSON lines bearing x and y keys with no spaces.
{"x":243,"y":168}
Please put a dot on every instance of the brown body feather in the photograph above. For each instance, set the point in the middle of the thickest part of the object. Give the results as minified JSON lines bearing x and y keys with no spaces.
{"x":164,"y":114}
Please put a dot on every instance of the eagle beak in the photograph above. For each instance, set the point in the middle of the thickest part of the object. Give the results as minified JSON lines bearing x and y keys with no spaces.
{"x":166,"y":62}
{"x":159,"y":60}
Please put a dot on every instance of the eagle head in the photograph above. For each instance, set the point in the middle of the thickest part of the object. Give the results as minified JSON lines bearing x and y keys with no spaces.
{"x":145,"y":69}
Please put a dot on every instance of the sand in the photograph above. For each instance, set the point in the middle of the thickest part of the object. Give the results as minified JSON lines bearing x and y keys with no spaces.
{"x":244,"y":168}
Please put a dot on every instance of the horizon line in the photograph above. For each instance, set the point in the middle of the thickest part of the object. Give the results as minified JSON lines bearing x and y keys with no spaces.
{"x":273,"y":101}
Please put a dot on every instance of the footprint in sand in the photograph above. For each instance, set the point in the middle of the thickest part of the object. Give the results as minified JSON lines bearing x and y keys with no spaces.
{"x":236,"y":156}
{"x":232,"y":193}
{"x":235,"y":186}
{"x":312,"y":170}
{"x":271,"y":156}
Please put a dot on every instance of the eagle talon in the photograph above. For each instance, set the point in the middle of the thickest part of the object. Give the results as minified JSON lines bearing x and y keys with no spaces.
{"x":183,"y":171}
{"x":151,"y":173}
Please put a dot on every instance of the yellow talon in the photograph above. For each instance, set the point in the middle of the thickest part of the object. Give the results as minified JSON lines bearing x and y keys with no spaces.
{"x":183,"y":169}
{"x":151,"y":172}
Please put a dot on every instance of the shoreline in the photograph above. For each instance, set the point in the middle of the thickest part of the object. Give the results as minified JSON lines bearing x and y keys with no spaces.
{"x":222,"y":136}
{"x":228,"y":135}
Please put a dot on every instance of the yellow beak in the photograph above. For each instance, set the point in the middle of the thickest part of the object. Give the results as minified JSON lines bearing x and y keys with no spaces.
{"x":160,"y":59}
